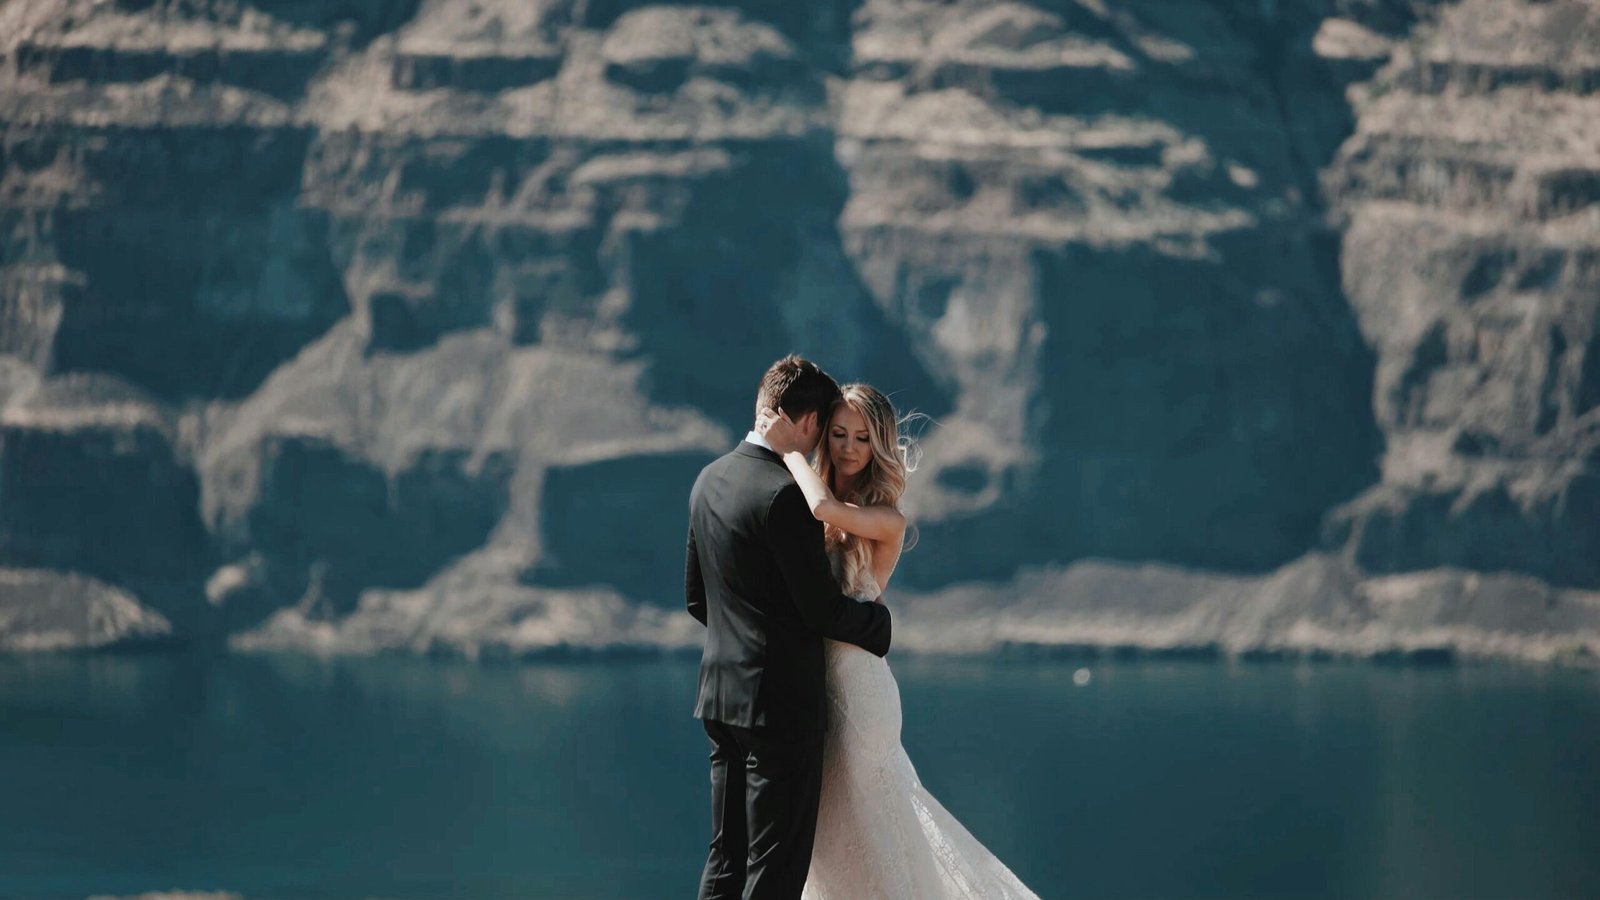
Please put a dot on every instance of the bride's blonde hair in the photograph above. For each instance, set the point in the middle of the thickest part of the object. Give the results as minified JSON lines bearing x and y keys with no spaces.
{"x":880,"y":483}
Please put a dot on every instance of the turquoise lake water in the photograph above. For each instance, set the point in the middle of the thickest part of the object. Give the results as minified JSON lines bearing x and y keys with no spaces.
{"x":279,"y":776}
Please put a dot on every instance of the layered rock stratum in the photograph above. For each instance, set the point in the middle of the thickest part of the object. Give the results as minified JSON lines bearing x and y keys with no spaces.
{"x":1243,"y":327}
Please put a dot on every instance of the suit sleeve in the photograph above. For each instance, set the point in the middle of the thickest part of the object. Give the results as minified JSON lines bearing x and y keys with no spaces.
{"x":797,"y":546}
{"x":694,"y":585}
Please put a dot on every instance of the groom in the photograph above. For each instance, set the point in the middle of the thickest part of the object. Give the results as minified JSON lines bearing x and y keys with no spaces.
{"x":758,"y":579}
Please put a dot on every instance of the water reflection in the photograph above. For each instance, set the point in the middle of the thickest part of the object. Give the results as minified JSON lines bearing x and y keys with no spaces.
{"x":307,"y":777}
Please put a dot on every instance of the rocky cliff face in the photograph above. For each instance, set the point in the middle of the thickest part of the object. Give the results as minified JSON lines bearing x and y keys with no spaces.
{"x":407,"y":324}
{"x":1472,"y":258}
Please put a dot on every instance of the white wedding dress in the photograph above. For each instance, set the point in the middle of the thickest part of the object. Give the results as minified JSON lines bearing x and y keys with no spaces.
{"x":880,"y":834}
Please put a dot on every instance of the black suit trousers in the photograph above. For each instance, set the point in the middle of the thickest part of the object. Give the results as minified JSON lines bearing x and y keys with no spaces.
{"x":765,"y":787}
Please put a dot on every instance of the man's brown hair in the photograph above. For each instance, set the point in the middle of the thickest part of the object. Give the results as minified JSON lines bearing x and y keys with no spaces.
{"x":797,"y":386}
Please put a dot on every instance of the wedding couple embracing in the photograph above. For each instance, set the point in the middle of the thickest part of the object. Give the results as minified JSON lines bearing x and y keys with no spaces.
{"x":812,"y":794}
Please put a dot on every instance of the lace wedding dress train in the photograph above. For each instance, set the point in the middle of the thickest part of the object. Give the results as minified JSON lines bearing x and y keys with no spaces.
{"x":880,"y":834}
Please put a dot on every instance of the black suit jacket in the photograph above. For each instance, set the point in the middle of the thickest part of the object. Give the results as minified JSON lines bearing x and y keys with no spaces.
{"x":758,"y":578}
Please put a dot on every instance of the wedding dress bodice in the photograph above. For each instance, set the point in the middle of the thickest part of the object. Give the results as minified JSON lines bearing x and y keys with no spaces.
{"x":866,"y":589}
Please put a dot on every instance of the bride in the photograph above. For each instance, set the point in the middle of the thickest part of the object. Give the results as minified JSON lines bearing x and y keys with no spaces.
{"x":880,"y":834}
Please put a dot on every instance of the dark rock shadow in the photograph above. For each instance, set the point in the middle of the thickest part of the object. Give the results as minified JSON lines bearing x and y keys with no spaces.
{"x":201,"y":274}
{"x":1196,"y":412}
{"x":365,"y":19}
{"x":718,"y":296}
{"x":1210,"y":413}
{"x":620,"y":522}
{"x":111,"y":501}
{"x":821,"y":24}
{"x":329,"y":524}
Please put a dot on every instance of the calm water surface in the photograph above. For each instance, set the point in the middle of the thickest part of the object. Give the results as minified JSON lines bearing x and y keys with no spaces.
{"x":298,"y":777}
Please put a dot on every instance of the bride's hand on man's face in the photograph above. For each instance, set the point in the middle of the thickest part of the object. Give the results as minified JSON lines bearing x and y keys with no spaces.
{"x":778,"y":430}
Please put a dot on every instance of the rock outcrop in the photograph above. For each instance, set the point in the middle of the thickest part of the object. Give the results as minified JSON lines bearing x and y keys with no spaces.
{"x":44,"y":610}
{"x":1261,"y":328}
{"x":1472,"y":258}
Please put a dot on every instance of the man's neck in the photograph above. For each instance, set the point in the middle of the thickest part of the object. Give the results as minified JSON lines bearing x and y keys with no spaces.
{"x":758,"y":440}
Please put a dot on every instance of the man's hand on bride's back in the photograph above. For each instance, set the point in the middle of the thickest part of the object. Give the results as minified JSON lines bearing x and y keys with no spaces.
{"x":778,"y":430}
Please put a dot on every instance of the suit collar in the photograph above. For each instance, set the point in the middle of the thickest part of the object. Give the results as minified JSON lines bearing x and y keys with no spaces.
{"x":746,"y":448}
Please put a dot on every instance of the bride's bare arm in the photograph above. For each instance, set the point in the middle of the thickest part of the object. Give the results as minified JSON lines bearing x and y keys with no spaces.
{"x":875,"y":523}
